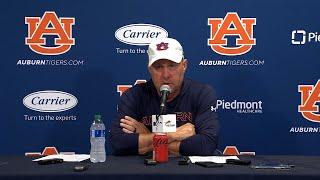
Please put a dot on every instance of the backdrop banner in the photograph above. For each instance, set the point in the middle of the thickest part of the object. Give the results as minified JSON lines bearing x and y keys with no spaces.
{"x":62,"y":62}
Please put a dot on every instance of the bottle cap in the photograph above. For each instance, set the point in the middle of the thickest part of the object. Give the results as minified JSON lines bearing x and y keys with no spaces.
{"x":97,"y":116}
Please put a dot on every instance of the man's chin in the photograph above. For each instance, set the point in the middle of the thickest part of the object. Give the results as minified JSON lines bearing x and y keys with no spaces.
{"x":171,"y":96}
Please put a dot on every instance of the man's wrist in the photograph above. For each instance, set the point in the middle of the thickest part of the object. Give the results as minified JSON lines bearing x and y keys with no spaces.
{"x":174,"y":147}
{"x":145,"y":143}
{"x":171,"y":137}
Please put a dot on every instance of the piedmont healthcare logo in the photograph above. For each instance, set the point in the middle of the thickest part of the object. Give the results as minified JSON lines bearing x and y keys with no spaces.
{"x":241,"y":107}
{"x":231,"y":36}
{"x":301,"y":37}
{"x":49,"y":101}
{"x":309,"y":107}
{"x":138,"y":35}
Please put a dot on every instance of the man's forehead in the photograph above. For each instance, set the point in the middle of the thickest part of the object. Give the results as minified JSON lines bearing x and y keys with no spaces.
{"x":163,"y":61}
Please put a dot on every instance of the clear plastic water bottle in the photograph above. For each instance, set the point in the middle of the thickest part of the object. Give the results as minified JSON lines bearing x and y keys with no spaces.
{"x":97,"y":140}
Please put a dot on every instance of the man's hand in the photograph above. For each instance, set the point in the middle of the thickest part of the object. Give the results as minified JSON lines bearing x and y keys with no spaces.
{"x":130,"y":125}
{"x":175,"y":138}
{"x":182,"y":132}
{"x":174,"y":148}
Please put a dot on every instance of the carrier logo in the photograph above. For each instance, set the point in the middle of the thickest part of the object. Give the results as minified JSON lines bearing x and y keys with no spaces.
{"x":50,"y":101}
{"x":310,"y":96}
{"x":49,"y":24}
{"x":301,"y":37}
{"x":231,"y":26}
{"x":239,"y":106}
{"x":122,"y":88}
{"x":140,"y":34}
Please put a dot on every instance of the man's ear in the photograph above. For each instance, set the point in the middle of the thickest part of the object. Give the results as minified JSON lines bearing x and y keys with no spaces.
{"x":149,"y":69}
{"x":185,"y":64}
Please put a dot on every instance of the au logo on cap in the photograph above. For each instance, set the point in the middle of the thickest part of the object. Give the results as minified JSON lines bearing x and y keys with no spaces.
{"x":49,"y":24}
{"x":162,"y":46}
{"x":231,"y":25}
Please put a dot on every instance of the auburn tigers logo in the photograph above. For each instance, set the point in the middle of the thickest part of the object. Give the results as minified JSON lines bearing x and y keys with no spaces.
{"x":49,"y":24}
{"x":310,"y":96}
{"x":122,"y":88}
{"x":231,"y":25}
{"x":162,"y":46}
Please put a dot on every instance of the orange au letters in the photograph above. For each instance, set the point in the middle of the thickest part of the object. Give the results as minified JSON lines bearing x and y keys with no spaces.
{"x":231,"y":25}
{"x":122,"y":88}
{"x":49,"y":24}
{"x":310,"y":95}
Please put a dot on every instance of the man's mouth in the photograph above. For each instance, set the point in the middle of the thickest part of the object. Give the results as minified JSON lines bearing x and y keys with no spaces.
{"x":169,"y":84}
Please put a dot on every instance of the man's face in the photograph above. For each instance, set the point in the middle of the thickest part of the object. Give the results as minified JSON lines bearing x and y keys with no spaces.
{"x":170,"y":73}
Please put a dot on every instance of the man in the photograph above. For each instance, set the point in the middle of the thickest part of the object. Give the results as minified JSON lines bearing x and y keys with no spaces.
{"x":197,"y":125}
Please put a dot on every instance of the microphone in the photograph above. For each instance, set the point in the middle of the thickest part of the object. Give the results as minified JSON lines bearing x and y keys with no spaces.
{"x":165,"y":90}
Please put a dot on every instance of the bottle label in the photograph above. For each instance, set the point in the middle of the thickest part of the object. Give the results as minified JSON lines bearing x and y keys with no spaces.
{"x":98,"y":133}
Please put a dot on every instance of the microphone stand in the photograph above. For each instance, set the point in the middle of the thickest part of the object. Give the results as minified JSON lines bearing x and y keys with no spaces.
{"x":162,"y":112}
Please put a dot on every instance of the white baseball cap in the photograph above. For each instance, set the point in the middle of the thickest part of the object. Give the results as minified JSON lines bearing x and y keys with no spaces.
{"x":165,"y":48}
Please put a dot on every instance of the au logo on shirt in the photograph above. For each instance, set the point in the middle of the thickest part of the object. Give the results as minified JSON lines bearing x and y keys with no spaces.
{"x":231,"y":25}
{"x":49,"y":24}
{"x":310,"y":96}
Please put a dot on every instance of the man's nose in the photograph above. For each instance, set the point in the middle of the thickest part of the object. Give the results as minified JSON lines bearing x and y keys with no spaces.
{"x":166,"y":73}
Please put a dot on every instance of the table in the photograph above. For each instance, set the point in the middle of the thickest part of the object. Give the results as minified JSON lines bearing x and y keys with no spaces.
{"x":132,"y":167}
